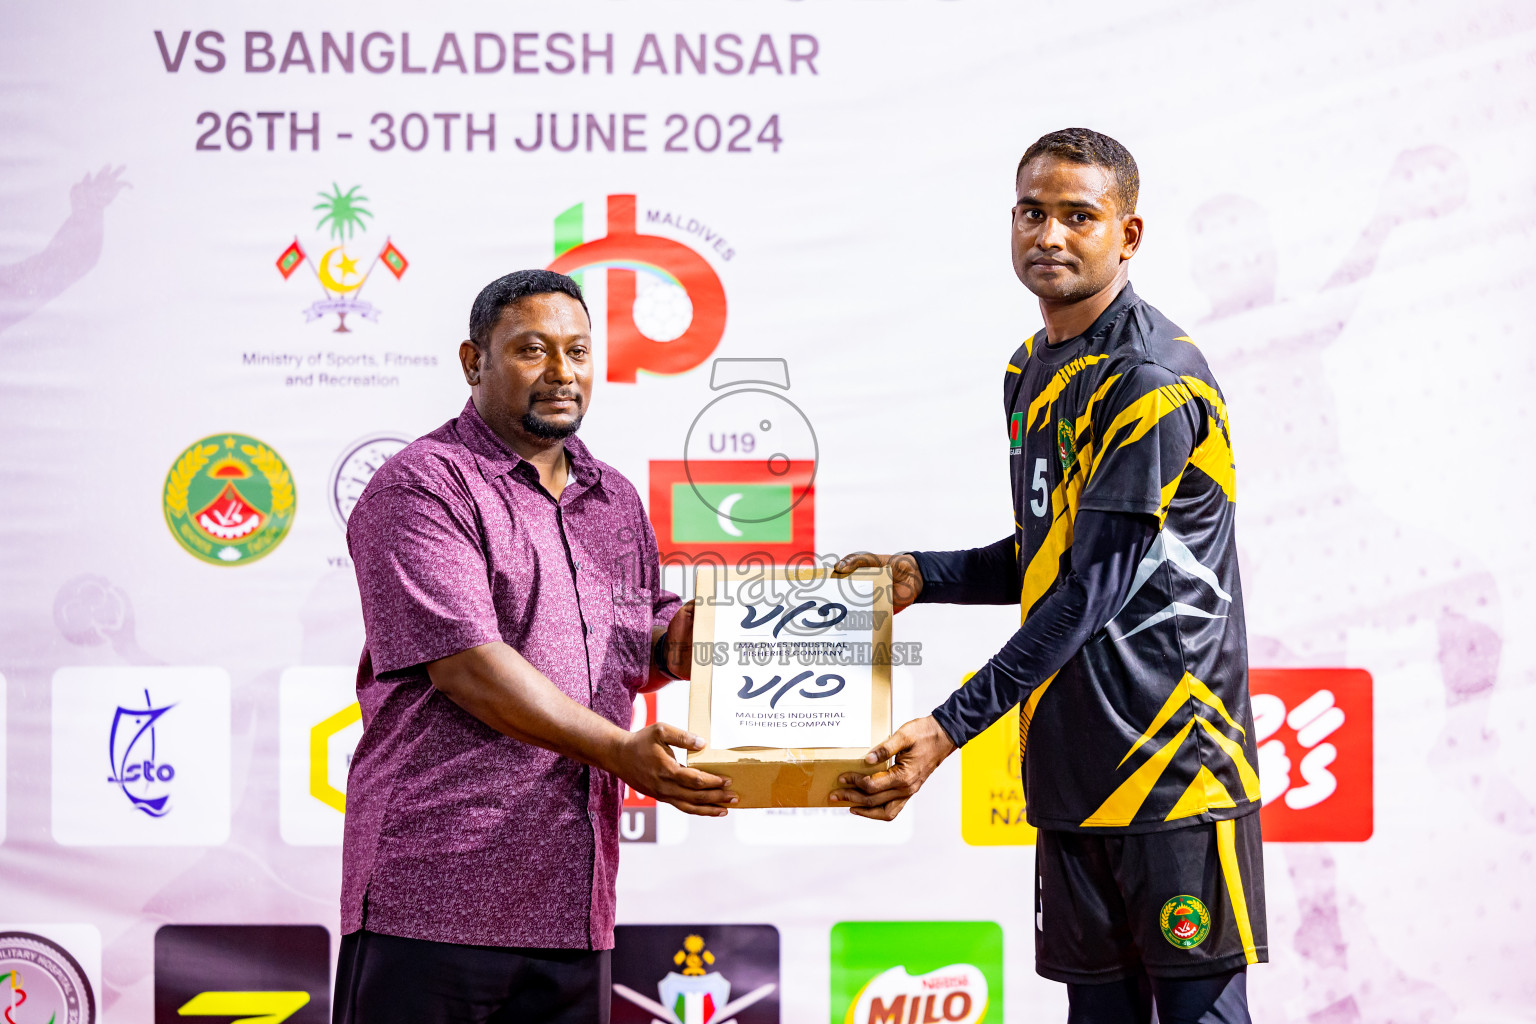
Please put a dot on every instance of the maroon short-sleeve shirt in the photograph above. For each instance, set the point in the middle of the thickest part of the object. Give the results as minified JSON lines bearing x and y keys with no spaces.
{"x":455,"y":832}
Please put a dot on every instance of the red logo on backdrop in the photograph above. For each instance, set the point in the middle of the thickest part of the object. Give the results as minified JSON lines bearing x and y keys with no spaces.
{"x":1314,"y":733}
{"x":637,"y":821}
{"x":624,"y":250}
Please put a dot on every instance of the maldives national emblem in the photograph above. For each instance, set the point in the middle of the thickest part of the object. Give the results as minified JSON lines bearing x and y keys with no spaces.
{"x":337,"y":274}
{"x":229,"y":499}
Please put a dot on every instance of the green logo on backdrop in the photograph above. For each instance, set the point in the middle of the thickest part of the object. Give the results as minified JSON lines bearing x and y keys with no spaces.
{"x":748,"y":514}
{"x":228,"y":499}
{"x":893,"y":972}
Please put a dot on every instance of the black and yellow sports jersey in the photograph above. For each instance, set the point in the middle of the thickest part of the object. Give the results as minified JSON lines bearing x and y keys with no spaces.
{"x":1147,"y":726}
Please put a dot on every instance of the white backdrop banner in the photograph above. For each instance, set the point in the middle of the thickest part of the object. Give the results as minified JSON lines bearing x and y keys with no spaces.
{"x":238,"y":249}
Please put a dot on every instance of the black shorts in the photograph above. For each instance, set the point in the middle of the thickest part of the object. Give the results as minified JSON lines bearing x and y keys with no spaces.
{"x":386,"y":979}
{"x":1180,"y":904}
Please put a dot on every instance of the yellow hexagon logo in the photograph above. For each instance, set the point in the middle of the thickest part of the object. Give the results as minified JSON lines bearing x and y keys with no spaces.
{"x":320,"y":756}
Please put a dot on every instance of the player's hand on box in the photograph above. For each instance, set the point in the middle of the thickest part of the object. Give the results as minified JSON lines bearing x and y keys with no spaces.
{"x":906,"y":577}
{"x":919,"y":747}
{"x":644,"y":760}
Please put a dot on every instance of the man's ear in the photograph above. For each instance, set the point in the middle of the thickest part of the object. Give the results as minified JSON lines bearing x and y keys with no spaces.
{"x":1131,"y":227}
{"x":470,"y":359}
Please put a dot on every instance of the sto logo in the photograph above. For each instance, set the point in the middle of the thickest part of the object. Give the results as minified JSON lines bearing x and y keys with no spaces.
{"x":624,"y":251}
{"x":1313,"y":729}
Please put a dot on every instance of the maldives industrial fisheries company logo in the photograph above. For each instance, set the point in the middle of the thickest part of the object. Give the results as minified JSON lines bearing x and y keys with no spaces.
{"x":228,"y":499}
{"x":342,"y":216}
{"x":666,"y":305}
{"x":41,"y":982}
{"x":899,"y":972}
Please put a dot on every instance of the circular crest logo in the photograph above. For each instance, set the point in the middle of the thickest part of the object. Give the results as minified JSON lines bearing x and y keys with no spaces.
{"x":356,"y":467}
{"x":229,"y":499}
{"x":1185,"y":922}
{"x":42,"y":983}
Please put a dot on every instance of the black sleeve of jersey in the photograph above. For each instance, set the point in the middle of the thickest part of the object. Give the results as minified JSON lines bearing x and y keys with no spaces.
{"x":988,"y":575}
{"x":1144,"y":433}
{"x":1106,"y":548}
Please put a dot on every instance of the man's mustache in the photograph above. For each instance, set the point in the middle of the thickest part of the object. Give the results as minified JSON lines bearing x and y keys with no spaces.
{"x":574,"y":396}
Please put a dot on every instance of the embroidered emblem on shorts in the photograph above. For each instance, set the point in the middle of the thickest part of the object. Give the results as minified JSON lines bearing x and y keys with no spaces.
{"x":1066,"y":446}
{"x":1185,"y":922}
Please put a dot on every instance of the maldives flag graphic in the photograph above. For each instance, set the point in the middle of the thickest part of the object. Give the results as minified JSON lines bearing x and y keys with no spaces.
{"x":394,"y":260}
{"x":734,"y":507}
{"x":289,"y":261}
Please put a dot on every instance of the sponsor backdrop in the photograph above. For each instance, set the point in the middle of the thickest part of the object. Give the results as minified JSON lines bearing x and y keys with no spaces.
{"x":237,"y":252}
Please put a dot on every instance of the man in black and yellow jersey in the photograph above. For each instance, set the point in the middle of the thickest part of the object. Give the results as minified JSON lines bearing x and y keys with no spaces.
{"x":1130,"y":666}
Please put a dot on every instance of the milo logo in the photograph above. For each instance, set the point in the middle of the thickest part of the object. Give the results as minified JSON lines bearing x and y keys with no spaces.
{"x":1185,"y":922}
{"x":955,"y":994}
{"x":917,"y":972}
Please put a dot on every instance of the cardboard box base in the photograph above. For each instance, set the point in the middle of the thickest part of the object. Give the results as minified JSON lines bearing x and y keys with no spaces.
{"x":783,"y":778}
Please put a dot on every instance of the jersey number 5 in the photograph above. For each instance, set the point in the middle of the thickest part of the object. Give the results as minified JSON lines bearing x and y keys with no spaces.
{"x":1042,"y":504}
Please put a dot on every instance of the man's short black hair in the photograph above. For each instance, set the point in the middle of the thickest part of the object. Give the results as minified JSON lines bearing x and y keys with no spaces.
{"x":1084,"y":146}
{"x":504,"y":291}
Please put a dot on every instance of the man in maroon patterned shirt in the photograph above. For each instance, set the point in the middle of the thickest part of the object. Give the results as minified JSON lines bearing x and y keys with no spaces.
{"x":513,"y":607}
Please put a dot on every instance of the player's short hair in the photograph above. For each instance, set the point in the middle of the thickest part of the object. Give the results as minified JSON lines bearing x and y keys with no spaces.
{"x":1085,"y":146}
{"x":504,"y":291}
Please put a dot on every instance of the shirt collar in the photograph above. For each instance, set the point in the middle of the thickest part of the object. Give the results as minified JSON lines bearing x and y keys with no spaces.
{"x":497,"y":459}
{"x":1056,"y":355}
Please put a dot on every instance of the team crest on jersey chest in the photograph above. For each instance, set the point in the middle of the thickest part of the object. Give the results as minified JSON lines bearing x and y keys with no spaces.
{"x":1066,"y":445}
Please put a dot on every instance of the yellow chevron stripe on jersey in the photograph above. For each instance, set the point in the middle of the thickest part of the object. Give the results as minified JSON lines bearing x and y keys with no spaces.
{"x":1027,"y":711}
{"x":1014,"y":369}
{"x":1045,"y":565}
{"x":1212,"y":396}
{"x":1165,"y":497}
{"x":1142,"y":415}
{"x":1213,"y":457}
{"x":1082,"y":427}
{"x":1226,"y":847}
{"x":1177,"y":699}
{"x":1245,"y":772}
{"x":1085,"y":421}
{"x":1203,"y":694}
{"x":1122,"y":805}
{"x":1203,"y":794}
{"x":1058,"y":384}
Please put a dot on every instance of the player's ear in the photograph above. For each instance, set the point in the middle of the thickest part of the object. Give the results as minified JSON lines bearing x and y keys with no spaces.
{"x":1130,"y":235}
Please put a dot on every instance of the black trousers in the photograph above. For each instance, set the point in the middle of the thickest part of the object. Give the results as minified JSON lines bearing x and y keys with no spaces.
{"x":384,"y":979}
{"x":1217,"y":999}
